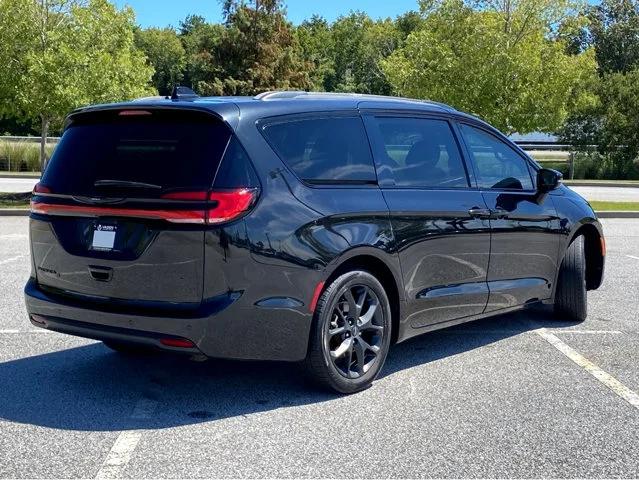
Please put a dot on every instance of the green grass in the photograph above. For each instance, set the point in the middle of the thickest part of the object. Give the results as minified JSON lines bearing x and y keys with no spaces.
{"x":547,"y":156}
{"x":14,"y":200}
{"x":21,"y":156}
{"x":615,"y":206}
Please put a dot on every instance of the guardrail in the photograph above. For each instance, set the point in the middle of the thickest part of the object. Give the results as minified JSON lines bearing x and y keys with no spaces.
{"x":10,"y":138}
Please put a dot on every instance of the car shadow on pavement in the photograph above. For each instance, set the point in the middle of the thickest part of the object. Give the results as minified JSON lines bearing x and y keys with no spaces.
{"x":90,"y":388}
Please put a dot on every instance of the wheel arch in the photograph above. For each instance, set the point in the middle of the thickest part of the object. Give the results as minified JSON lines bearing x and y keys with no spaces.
{"x":594,"y":251}
{"x":370,"y":260}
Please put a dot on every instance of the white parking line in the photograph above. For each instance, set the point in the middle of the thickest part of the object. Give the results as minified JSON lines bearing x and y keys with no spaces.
{"x":587,"y":332}
{"x":608,"y":380}
{"x":11,"y":259}
{"x":15,"y":331}
{"x":505,"y":331}
{"x":14,"y":235}
{"x":632,"y":256}
{"x":122,"y":450}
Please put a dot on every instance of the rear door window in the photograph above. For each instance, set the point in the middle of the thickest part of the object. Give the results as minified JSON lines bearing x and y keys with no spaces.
{"x":329,"y":150}
{"x":169,"y":149}
{"x":418,"y":152}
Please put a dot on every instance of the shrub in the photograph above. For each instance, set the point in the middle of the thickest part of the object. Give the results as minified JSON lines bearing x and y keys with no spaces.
{"x":21,"y":156}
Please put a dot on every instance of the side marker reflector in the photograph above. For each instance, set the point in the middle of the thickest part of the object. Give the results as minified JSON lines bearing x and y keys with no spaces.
{"x":177,"y":342}
{"x":316,"y":295}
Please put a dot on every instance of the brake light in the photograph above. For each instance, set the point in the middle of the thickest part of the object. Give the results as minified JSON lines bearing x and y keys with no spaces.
{"x":39,"y":188}
{"x":227,"y":204}
{"x":133,"y":113}
{"x":230,"y":204}
{"x":223,"y":206}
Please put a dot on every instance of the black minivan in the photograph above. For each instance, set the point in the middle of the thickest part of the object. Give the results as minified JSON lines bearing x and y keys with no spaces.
{"x":297,"y":226}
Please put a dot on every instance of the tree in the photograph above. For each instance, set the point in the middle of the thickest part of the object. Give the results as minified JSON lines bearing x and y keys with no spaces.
{"x":200,"y":40}
{"x":257,"y":51}
{"x":502,"y":61}
{"x":609,"y":120}
{"x":318,"y":48}
{"x":614,"y":30}
{"x":61,"y":54}
{"x":359,"y":46}
{"x":165,"y":54}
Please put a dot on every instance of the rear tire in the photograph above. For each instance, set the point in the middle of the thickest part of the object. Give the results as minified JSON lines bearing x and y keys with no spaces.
{"x":570,"y":296}
{"x":351,"y":333}
{"x":126,"y":348}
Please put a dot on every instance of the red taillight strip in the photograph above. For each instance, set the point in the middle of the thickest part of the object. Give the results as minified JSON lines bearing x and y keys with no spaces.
{"x":174,"y":216}
{"x":230,"y":204}
{"x":200,"y":196}
{"x":225,"y":206}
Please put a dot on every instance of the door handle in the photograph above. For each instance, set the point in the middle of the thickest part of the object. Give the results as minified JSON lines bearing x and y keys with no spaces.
{"x":477,"y":212}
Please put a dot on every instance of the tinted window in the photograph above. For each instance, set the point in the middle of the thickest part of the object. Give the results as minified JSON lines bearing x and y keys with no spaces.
{"x":172,"y":150}
{"x":324,"y":150}
{"x":497,"y":164}
{"x":236,"y":169}
{"x":420,"y":152}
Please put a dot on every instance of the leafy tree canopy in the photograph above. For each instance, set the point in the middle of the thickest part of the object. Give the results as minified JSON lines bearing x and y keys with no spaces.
{"x":61,"y":54}
{"x":502,"y":61}
{"x":165,"y":53}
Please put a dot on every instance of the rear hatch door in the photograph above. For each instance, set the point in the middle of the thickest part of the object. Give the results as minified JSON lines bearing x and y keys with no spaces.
{"x":121,"y":209}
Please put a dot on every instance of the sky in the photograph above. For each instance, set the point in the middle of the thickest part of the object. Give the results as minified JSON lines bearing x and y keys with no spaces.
{"x":161,"y":13}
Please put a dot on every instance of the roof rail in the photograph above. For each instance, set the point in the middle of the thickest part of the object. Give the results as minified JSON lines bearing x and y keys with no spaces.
{"x":279,"y":94}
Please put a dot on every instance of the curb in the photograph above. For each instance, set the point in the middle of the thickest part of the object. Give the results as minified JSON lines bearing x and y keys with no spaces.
{"x":622,"y":214}
{"x":26,"y":175}
{"x":586,"y":183}
{"x":14,"y":212}
{"x":24,"y":212}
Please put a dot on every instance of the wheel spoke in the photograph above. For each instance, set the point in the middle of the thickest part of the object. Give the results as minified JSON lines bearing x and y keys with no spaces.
{"x":344,"y":347}
{"x":337,"y":331}
{"x":352,"y":306}
{"x":359,"y":305}
{"x":360,"y":355}
{"x":366,"y":319}
{"x":368,"y":346}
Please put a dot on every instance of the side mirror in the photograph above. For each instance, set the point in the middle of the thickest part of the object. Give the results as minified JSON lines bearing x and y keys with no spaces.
{"x":548,"y":179}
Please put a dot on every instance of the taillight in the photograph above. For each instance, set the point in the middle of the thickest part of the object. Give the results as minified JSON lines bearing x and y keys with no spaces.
{"x":39,"y":188}
{"x":225,"y":205}
{"x":200,"y":196}
{"x":212,"y":207}
{"x":230,"y":204}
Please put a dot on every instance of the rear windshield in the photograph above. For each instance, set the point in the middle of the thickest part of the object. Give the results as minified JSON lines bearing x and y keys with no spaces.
{"x":171,"y":150}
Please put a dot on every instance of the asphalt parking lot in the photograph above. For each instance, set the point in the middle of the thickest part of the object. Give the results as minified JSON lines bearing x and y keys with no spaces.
{"x":521,"y":395}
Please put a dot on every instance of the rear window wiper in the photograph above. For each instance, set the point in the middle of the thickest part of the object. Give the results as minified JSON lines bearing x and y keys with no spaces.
{"x":126,"y":184}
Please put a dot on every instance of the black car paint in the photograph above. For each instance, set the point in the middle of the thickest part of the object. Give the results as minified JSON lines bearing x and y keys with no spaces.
{"x":265,"y":268}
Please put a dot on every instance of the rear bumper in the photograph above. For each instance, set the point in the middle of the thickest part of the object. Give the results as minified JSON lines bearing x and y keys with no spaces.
{"x":223,"y":327}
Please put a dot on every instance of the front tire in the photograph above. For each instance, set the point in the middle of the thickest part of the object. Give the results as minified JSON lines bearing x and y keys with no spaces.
{"x":571,"y":297}
{"x":351,"y":333}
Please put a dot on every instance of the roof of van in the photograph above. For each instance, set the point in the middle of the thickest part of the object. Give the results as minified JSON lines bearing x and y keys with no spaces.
{"x":271,"y":104}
